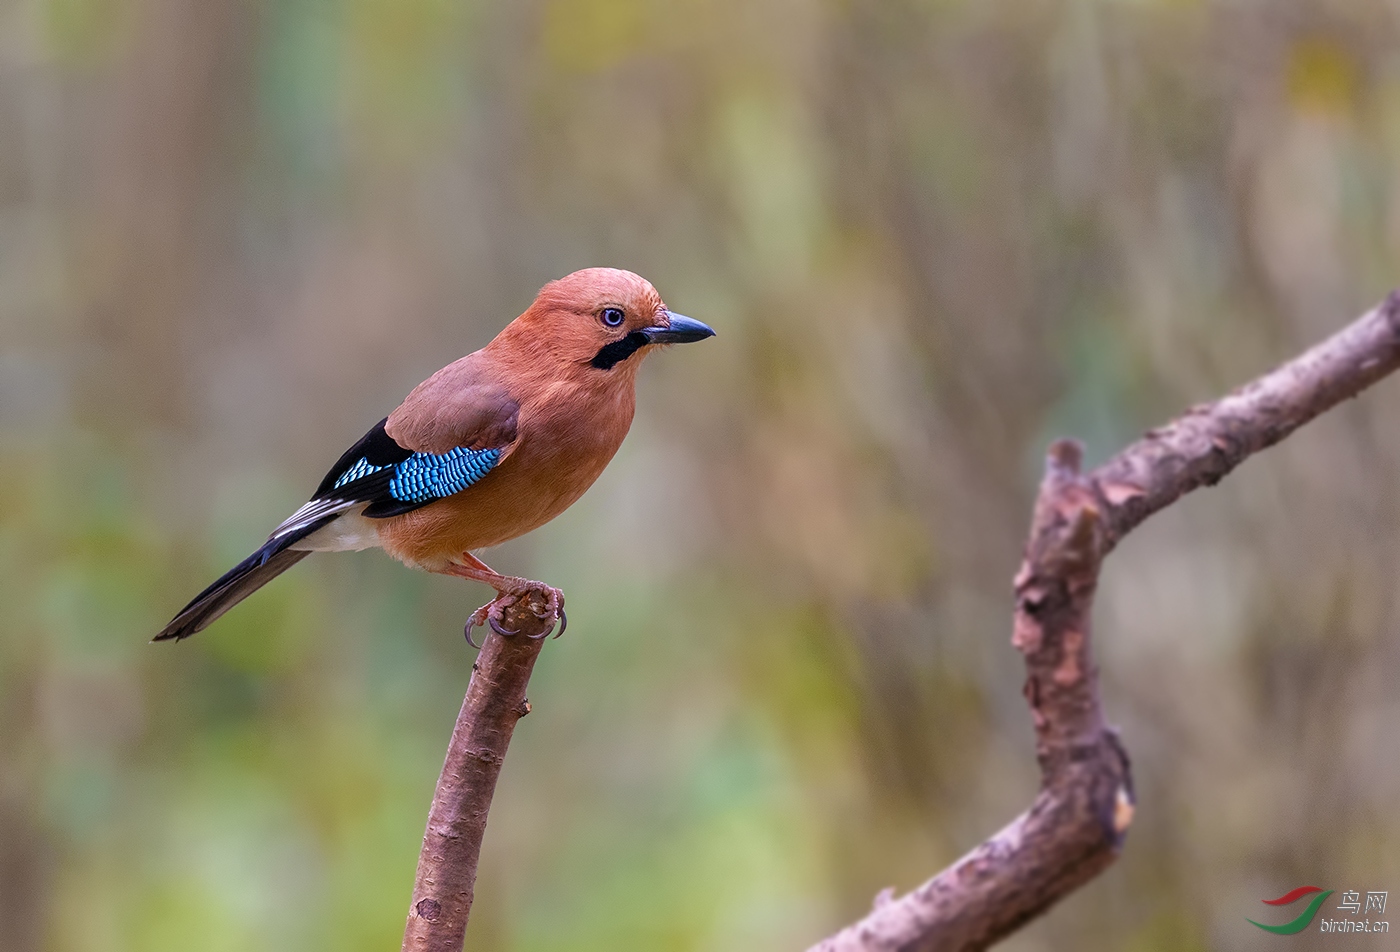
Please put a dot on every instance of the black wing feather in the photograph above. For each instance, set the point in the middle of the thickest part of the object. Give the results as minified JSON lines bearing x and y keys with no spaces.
{"x":382,"y":454}
{"x":277,"y":555}
{"x":378,"y":449}
{"x":274,"y":558}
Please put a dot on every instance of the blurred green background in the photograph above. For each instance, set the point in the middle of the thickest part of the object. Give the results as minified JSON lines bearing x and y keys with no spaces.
{"x":933,"y":235}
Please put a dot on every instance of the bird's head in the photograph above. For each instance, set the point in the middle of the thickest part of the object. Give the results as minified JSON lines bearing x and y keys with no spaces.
{"x":601,"y":321}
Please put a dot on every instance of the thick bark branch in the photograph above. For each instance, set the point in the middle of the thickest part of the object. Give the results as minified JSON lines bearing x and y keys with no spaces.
{"x":443,"y":889}
{"x":1077,"y":822}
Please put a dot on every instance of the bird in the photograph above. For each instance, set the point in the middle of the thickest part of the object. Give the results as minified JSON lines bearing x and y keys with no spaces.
{"x":490,"y":447}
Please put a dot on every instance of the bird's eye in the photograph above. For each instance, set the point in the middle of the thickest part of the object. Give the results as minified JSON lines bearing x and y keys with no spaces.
{"x":612,"y":316}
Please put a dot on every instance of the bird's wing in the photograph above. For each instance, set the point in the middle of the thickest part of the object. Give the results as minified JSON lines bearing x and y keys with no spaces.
{"x":450,"y":432}
{"x":463,"y":405}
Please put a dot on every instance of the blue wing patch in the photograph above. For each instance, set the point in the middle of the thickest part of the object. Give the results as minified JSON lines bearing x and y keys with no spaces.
{"x":361,"y":469}
{"x":424,"y":477}
{"x":427,"y":476}
{"x":392,"y":479}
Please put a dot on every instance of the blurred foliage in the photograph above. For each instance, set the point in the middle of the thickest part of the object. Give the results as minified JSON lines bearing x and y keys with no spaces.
{"x":933,"y":236}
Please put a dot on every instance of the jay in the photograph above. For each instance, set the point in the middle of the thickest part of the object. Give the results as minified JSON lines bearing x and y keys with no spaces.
{"x":486,"y":449}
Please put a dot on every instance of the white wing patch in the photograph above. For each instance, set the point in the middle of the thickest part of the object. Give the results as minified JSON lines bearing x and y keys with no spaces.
{"x":351,"y":532}
{"x":309,"y":513}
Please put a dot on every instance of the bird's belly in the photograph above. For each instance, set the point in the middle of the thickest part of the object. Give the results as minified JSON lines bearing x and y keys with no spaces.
{"x":523,"y":494}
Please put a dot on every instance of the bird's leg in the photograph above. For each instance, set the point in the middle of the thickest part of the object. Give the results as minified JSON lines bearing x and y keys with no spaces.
{"x":509,"y":589}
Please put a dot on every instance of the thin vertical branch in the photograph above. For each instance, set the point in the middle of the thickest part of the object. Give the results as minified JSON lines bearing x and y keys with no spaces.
{"x":445,"y":885}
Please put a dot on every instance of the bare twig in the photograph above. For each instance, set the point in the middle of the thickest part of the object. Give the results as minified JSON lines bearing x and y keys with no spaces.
{"x":1077,"y":822}
{"x":443,"y":889}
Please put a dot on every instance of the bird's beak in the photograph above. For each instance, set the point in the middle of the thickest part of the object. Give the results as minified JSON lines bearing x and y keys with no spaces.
{"x":681,"y":330}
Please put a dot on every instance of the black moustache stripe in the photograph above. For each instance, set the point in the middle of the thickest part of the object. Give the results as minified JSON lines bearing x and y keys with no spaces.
{"x":619,"y":350}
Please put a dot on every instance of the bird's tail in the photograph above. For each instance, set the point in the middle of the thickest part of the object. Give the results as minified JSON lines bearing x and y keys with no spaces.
{"x":274,"y":558}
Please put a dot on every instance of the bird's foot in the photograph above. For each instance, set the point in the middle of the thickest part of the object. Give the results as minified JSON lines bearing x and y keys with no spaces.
{"x":543,"y":601}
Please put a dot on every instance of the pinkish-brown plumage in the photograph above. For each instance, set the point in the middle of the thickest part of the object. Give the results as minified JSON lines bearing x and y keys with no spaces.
{"x":553,"y":395}
{"x":533,"y":390}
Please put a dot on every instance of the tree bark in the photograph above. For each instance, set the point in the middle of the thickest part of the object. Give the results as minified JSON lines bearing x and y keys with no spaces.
{"x":495,"y":701}
{"x":1077,"y":822}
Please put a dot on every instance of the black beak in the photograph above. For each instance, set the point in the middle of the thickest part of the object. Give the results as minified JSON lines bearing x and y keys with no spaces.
{"x":682,"y":330}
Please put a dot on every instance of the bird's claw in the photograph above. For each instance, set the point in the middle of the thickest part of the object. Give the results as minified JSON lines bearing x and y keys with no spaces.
{"x":496,"y":627}
{"x":490,"y":615}
{"x":477,"y":619}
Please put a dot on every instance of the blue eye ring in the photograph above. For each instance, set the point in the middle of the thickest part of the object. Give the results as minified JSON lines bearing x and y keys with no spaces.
{"x":611,"y":316}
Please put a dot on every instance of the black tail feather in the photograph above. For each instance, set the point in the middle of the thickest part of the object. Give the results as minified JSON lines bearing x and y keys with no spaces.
{"x":238,"y":583}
